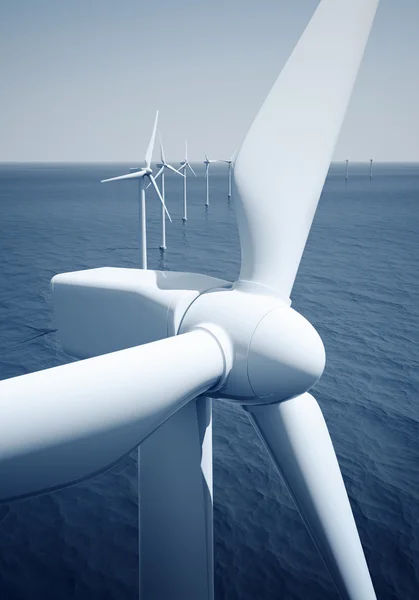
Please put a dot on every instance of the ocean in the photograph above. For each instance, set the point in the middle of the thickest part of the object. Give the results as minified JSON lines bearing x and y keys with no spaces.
{"x":357,"y":284}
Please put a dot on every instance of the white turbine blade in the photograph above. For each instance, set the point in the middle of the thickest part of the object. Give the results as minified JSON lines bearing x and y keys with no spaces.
{"x":66,"y":423}
{"x":293,"y":138}
{"x":206,"y":158}
{"x":162,"y":157}
{"x":149,"y":153}
{"x":157,"y":175}
{"x":233,"y":156}
{"x":174,"y":170}
{"x":192,"y":170}
{"x":297,"y":438}
{"x":160,"y":196}
{"x":134,"y":175}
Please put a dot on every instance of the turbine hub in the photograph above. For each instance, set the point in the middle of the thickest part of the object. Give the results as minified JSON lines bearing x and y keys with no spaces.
{"x":273,"y":353}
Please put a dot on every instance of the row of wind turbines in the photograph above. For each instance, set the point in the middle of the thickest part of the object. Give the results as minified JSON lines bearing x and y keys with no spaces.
{"x":141,"y":173}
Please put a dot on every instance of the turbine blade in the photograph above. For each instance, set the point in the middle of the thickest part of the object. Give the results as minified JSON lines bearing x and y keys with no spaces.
{"x":158,"y":174}
{"x":64,"y":424}
{"x":174,"y":170}
{"x":296,"y":437}
{"x":293,"y":138}
{"x":149,"y":153}
{"x":134,"y":175}
{"x":160,"y":196}
{"x":162,"y":157}
{"x":233,"y":156}
{"x":192,"y":170}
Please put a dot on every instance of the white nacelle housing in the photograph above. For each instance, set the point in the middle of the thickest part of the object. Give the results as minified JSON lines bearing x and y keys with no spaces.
{"x":108,"y":309}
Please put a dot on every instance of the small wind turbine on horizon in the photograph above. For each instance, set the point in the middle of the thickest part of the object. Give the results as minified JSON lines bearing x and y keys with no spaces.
{"x":207,"y":163}
{"x":140,"y":176}
{"x":230,"y":169}
{"x":184,"y":166}
{"x":371,"y":161}
{"x":347,"y":170}
{"x":162,"y":165}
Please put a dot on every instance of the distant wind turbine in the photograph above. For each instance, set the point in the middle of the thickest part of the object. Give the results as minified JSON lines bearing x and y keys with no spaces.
{"x":207,"y":163}
{"x":371,"y":168}
{"x":140,"y":176}
{"x":347,"y":170}
{"x":230,"y":169}
{"x":164,"y":165}
{"x":184,"y":166}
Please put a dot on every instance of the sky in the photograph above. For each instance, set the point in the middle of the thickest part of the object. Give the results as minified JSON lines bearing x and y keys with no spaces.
{"x":81,"y":80}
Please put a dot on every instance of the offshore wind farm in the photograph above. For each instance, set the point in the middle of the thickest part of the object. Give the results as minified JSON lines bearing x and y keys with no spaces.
{"x":261,"y":547}
{"x":209,"y":334}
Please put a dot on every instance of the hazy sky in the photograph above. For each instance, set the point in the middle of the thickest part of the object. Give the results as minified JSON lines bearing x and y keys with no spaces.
{"x":81,"y":79}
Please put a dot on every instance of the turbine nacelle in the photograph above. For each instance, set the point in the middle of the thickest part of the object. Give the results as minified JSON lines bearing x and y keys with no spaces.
{"x":271,"y":352}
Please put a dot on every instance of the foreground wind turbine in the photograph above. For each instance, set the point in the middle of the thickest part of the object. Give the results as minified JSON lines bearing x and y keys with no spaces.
{"x":184,"y":166}
{"x":155,"y":342}
{"x":207,"y":163}
{"x":140,"y":176}
{"x":162,"y":166}
{"x":230,"y":169}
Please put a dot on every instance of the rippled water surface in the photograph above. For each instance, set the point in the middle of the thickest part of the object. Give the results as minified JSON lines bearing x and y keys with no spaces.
{"x":358,"y":284}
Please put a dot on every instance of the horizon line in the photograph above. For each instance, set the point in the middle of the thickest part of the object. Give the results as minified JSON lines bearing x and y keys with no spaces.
{"x":124,"y":162}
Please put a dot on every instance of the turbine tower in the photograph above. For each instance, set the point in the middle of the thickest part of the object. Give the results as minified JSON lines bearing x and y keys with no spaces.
{"x":230,"y":169}
{"x":154,"y":343}
{"x":140,"y":176}
{"x":347,"y":170}
{"x":207,"y":163}
{"x":184,"y":166}
{"x":162,"y":166}
{"x":371,"y":161}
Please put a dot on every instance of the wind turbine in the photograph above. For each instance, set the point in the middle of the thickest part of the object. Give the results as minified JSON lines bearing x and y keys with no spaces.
{"x":207,"y":163}
{"x":155,"y":342}
{"x":184,"y":166}
{"x":371,"y":168}
{"x":230,"y":168}
{"x":162,"y":166}
{"x":347,"y":170}
{"x":140,"y":175}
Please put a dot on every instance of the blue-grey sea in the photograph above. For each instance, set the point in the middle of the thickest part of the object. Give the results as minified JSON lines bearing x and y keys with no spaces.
{"x":357,"y":284}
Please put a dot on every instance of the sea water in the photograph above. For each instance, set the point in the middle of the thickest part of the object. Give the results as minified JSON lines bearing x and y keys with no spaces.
{"x":357,"y":284}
